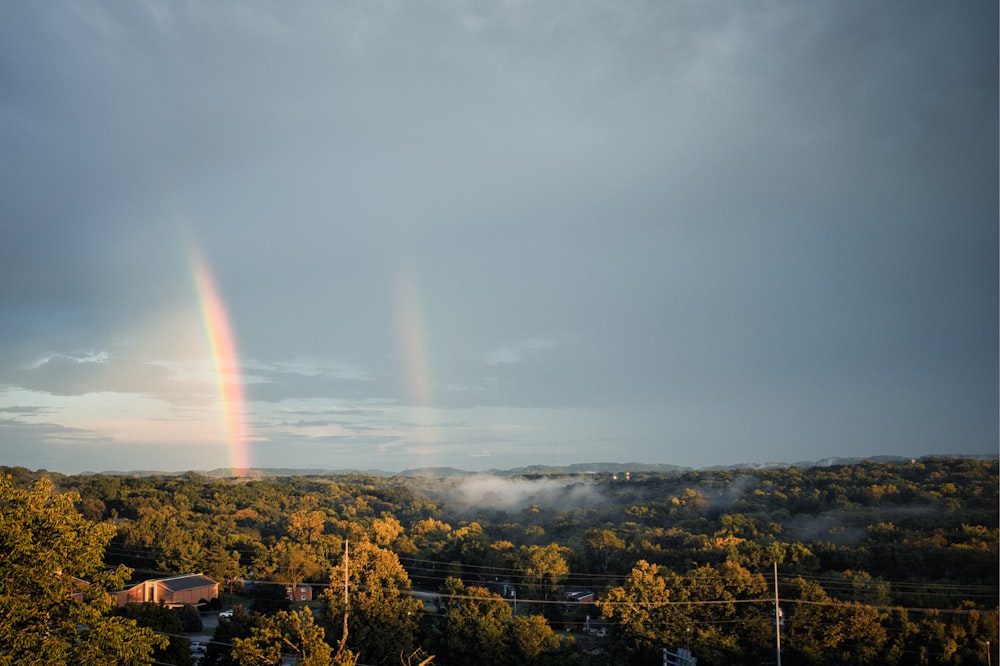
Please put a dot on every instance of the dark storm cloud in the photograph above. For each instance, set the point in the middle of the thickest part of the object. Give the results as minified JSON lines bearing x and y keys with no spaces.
{"x":766,"y":227}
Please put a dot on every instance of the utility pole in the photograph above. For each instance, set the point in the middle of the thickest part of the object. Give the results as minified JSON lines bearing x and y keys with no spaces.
{"x":343,"y":641}
{"x":777,"y":614}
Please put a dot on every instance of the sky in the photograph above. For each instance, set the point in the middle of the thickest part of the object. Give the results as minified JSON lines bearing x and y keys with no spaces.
{"x":388,"y":234}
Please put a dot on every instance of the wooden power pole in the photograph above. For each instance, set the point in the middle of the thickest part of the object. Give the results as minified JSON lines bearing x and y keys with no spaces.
{"x":777,"y":615}
{"x":343,"y":641}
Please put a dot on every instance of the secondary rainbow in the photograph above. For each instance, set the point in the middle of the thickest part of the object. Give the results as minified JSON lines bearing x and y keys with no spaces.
{"x":412,"y":329}
{"x":225,"y":362}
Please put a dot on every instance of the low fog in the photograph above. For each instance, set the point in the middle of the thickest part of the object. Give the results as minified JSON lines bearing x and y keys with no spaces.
{"x":493,"y":492}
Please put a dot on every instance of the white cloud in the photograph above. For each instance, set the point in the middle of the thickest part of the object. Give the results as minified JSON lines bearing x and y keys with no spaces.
{"x":86,"y":357}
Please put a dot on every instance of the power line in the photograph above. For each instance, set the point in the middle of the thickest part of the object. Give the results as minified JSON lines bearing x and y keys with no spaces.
{"x":831,"y":584}
{"x":412,"y":564}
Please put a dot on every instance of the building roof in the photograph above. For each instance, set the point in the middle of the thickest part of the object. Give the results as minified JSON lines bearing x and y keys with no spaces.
{"x":185,"y":582}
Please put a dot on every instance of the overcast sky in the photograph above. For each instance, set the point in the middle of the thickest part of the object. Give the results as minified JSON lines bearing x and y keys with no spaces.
{"x":491,"y":234}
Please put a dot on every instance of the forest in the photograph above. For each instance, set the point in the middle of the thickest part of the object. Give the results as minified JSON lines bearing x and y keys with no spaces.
{"x":870,"y":563}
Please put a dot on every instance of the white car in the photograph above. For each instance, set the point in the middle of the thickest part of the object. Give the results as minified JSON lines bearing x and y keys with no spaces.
{"x":197,"y":647}
{"x":226,"y":613}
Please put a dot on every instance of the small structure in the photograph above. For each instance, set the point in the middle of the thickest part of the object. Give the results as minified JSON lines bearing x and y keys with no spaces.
{"x":682,"y":657}
{"x":597,"y":626}
{"x":301,"y":592}
{"x":174,"y":591}
{"x":578,"y":596}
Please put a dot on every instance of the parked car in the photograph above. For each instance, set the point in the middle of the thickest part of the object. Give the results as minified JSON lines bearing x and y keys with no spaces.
{"x":197,"y":646}
{"x":226,"y":613}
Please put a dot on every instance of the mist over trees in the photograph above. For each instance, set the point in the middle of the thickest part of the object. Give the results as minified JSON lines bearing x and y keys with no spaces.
{"x":877,"y":563}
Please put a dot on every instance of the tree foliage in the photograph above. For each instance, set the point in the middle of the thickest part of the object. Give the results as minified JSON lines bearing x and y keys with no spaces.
{"x":383,"y":618}
{"x":879,"y":562}
{"x":643,"y":610}
{"x":292,"y":633}
{"x":54,"y":601}
{"x":168,"y":622}
{"x":239,"y":625}
{"x":472,"y":625}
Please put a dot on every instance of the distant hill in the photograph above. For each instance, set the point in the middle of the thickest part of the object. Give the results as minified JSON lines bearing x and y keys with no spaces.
{"x":265,"y":472}
{"x":590,"y":468}
{"x":435,"y":472}
{"x":573,"y":469}
{"x":825,"y":462}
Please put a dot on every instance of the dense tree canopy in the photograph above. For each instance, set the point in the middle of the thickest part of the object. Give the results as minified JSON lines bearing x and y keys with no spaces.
{"x":54,"y":602}
{"x":878,"y":562}
{"x":383,"y":618}
{"x":292,"y":633}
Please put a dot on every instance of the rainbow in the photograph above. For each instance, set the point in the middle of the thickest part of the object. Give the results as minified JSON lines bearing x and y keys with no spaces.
{"x":413,"y":343}
{"x":416,"y":355}
{"x":225,"y":362}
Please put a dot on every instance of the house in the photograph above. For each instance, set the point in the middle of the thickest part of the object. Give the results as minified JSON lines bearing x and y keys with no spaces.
{"x":194,"y":589}
{"x":301,"y":592}
{"x":597,"y":626}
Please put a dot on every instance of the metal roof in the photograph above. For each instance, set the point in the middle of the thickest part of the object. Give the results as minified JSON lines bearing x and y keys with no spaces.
{"x":185,"y":582}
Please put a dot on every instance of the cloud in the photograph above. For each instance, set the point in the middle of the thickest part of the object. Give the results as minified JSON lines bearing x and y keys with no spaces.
{"x":762,"y":227}
{"x":278,"y":384}
{"x":514,"y":353}
{"x":48,"y":445}
{"x":61,"y":374}
{"x":107,"y":372}
{"x":24,"y":409}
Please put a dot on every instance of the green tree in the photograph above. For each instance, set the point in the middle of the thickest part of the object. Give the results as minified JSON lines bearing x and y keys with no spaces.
{"x":166,"y":622}
{"x":92,"y":509}
{"x":543,"y":567}
{"x":823,"y":630}
{"x":429,"y":535}
{"x":190,"y":618}
{"x":711,"y":637}
{"x":287,"y":561}
{"x":286,"y":632}
{"x":467,"y":545}
{"x":643,"y":610}
{"x":269,"y":598}
{"x":239,"y":625}
{"x":48,"y":613}
{"x":220,"y":564}
{"x":602,"y":548}
{"x":471,"y":626}
{"x":530,"y":637}
{"x":382,"y":616}
{"x":306,"y":526}
{"x":386,"y":529}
